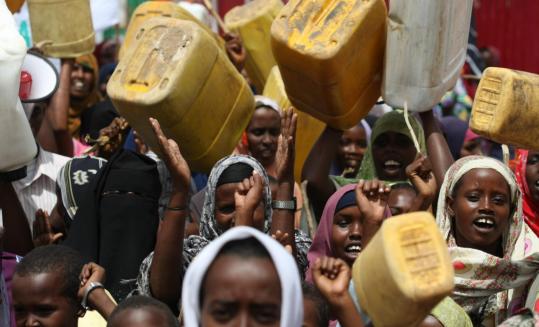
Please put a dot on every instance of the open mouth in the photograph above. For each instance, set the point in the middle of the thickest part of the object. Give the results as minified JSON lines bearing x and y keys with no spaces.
{"x":392,"y":165}
{"x":484,"y":224}
{"x":536,"y":185}
{"x":78,"y":85}
{"x":353,"y":249}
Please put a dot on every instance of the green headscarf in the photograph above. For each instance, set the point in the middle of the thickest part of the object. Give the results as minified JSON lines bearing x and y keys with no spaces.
{"x":391,"y":122}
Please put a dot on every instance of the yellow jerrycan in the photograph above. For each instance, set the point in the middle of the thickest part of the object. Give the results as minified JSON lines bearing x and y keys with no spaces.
{"x":63,"y":26}
{"x":151,"y":9}
{"x":330,"y":54}
{"x":176,"y":73}
{"x":506,"y":107}
{"x":252,"y":22}
{"x":308,"y":129}
{"x":409,"y":257}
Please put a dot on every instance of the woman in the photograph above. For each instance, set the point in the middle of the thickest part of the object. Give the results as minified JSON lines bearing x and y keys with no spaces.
{"x":244,"y":268}
{"x":527,"y":173}
{"x":480,"y":216}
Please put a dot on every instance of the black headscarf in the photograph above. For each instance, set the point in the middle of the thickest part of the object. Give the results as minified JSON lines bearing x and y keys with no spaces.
{"x":116,"y":225}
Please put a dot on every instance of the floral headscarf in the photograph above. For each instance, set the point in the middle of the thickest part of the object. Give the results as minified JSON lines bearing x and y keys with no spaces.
{"x":479,"y":275}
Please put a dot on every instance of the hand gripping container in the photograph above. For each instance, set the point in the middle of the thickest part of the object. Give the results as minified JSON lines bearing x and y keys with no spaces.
{"x":425,"y":51}
{"x":330,"y":54}
{"x":64,"y":26}
{"x":177,"y":74}
{"x":404,"y":271}
{"x":506,"y":107}
{"x":152,"y":9}
{"x":252,"y":22}
{"x":308,"y":129}
{"x":17,"y":144}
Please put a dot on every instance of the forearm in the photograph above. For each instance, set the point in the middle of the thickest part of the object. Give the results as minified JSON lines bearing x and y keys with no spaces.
{"x":283,"y":219}
{"x":101,"y":302}
{"x":59,"y":107}
{"x":346,"y":312}
{"x":166,"y":268}
{"x":438,"y":150}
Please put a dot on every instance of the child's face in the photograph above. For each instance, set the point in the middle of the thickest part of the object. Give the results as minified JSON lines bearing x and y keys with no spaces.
{"x":346,"y":234}
{"x":142,"y":317}
{"x":310,"y":313}
{"x":241,"y":292}
{"x":38,"y":301}
{"x":400,"y":201}
{"x":392,"y":152}
{"x":481,"y":207}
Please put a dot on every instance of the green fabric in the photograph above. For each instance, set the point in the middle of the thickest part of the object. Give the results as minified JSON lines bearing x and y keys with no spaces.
{"x":450,"y":314}
{"x":391,"y":122}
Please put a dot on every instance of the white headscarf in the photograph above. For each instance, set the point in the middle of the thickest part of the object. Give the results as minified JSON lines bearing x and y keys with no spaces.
{"x":291,"y":294}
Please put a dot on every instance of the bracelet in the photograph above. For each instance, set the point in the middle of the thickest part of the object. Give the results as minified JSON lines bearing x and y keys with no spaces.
{"x":89,"y":289}
{"x":285,"y":205}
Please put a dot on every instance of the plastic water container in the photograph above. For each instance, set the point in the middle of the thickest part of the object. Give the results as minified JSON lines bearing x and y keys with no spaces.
{"x":426,"y":49}
{"x":506,"y":107}
{"x":330,"y":54}
{"x":252,"y":22}
{"x":308,"y":129}
{"x":152,"y":9}
{"x":409,"y":257}
{"x":176,"y":73}
{"x":17,"y":144}
{"x":65,"y":27}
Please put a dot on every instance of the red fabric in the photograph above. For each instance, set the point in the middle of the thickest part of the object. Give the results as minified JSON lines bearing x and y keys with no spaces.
{"x":530,"y":209}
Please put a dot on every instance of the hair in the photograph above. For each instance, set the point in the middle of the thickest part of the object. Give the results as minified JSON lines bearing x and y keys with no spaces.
{"x":140,"y":302}
{"x":55,"y":259}
{"x":403,"y":186}
{"x":311,"y":293}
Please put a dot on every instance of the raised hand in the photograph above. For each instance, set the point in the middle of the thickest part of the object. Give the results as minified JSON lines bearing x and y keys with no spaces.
{"x":235,"y":50}
{"x":332,"y":277}
{"x":42,"y":231}
{"x":420,"y":173}
{"x":247,"y":198}
{"x":282,"y":238}
{"x":112,"y":137}
{"x":91,"y":272}
{"x":176,"y":164}
{"x":371,"y":197}
{"x":286,"y":151}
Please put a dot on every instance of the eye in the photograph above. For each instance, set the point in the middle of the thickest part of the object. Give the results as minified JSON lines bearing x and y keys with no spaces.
{"x":499,"y":200}
{"x":473,"y":197}
{"x":266,"y":314}
{"x":44,"y":311}
{"x":533,"y":160}
{"x":275,"y":132}
{"x":257,"y":132}
{"x":403,"y":141}
{"x":382,"y":141}
{"x":222,"y":314}
{"x":227,"y":209}
{"x":343,"y":223}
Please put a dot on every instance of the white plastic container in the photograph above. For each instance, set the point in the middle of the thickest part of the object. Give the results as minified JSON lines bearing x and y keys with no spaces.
{"x":425,"y":50}
{"x":17,"y":144}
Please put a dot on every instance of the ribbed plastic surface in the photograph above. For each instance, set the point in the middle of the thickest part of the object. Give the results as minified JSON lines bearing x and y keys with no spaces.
{"x":330,"y":54}
{"x":506,"y":107}
{"x":64,"y":25}
{"x":409,"y":257}
{"x":177,"y":74}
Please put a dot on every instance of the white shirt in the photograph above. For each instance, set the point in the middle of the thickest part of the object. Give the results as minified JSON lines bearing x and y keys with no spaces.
{"x":38,"y":189}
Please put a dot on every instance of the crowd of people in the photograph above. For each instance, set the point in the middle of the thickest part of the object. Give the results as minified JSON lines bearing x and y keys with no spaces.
{"x":102,"y":231}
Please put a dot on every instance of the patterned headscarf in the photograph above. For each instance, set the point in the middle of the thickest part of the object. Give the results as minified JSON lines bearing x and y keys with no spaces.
{"x":529,"y":207}
{"x":478,"y":275}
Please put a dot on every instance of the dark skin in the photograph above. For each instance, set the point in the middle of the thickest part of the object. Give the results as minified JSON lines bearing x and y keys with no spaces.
{"x":241,"y":292}
{"x":346,"y":234}
{"x":401,"y":201}
{"x":481,"y":207}
{"x":18,"y":237}
{"x":263,"y":135}
{"x":142,"y":317}
{"x":532,"y":175}
{"x":392,"y":153}
{"x":310,"y":314}
{"x":352,"y":147}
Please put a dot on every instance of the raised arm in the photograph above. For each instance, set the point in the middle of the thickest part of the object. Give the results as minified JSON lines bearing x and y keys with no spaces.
{"x":371,"y":197}
{"x":166,"y":268}
{"x":317,"y":168}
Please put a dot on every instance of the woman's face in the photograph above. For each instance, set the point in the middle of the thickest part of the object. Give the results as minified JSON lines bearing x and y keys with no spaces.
{"x":346,"y":234}
{"x":392,"y":152}
{"x":481,"y":207}
{"x":400,"y":201}
{"x":82,"y":81}
{"x":263,"y":135}
{"x":225,"y":208}
{"x":241,"y":292}
{"x":352,"y":147}
{"x":532,"y":175}
{"x":471,"y":148}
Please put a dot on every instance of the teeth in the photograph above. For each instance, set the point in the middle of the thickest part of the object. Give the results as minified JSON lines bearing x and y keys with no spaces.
{"x":79,"y":84}
{"x":486,"y":221}
{"x":537,"y":182}
{"x":353,"y":248}
{"x":392,"y":163}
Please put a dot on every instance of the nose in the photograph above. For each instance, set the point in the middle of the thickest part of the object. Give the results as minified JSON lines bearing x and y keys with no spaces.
{"x":355,"y":231}
{"x":485,"y":205}
{"x":244,"y":320}
{"x":78,"y":71}
{"x":32,"y":322}
{"x":267,"y":138}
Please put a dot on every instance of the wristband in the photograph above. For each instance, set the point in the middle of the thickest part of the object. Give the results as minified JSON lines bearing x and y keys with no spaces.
{"x":284,"y":205}
{"x":89,"y":289}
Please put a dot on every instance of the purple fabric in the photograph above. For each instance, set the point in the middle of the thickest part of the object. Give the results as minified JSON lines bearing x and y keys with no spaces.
{"x":9,"y":262}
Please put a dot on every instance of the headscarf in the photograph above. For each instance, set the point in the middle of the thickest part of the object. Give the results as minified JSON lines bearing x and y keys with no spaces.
{"x":265,"y":102}
{"x":96,"y":118}
{"x":530,"y":209}
{"x":77,"y":107}
{"x":390,"y":122}
{"x":291,"y":294}
{"x":116,"y":224}
{"x":478,"y":275}
{"x":454,"y":130}
{"x":74,"y":180}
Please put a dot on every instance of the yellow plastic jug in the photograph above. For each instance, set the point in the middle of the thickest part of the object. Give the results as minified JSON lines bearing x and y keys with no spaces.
{"x":308,"y":129}
{"x":252,"y":22}
{"x":506,"y":107}
{"x":65,"y":27}
{"x":425,"y":50}
{"x":330,"y":54}
{"x":151,"y":9}
{"x":409,"y":257}
{"x":176,"y":73}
